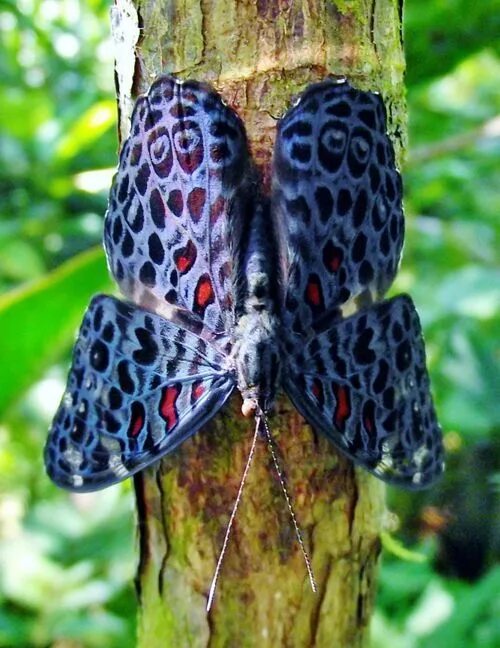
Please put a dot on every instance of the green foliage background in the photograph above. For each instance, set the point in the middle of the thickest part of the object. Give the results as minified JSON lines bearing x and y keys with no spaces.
{"x":67,"y":562}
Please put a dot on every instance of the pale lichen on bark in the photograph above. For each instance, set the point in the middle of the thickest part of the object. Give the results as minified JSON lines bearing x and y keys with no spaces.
{"x":259,"y":55}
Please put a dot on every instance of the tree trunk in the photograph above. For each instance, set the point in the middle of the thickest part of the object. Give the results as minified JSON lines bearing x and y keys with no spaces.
{"x":258,"y":55}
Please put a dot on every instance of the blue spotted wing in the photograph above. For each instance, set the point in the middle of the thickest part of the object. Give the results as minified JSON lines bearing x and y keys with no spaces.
{"x":337,"y":197}
{"x":183,"y":173}
{"x":359,"y":378}
{"x":139,"y":385}
{"x":363,"y":382}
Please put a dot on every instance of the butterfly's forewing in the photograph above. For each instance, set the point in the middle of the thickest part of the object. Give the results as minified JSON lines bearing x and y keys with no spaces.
{"x":364,"y":383}
{"x":181,"y":175}
{"x":337,"y":197}
{"x":138,"y":386}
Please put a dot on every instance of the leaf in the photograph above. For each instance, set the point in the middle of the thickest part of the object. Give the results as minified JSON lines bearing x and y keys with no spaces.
{"x":39,"y":320}
{"x":474,"y":621}
{"x":397,"y":548}
{"x":87,"y":129}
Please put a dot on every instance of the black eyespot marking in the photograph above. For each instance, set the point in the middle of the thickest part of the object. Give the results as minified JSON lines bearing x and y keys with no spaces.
{"x":147,"y":274}
{"x":360,"y":208}
{"x":123,"y":189}
{"x":141,"y":179}
{"x":117,"y":231}
{"x":98,"y":318}
{"x":124,"y":379}
{"x":127,"y":246}
{"x":298,"y":128}
{"x":155,"y":247}
{"x":362,"y":352}
{"x":324,"y":201}
{"x":301,"y":152}
{"x":148,"y":352}
{"x":299,"y":208}
{"x":359,"y":248}
{"x":115,"y":398}
{"x":108,"y":332}
{"x":403,"y":356}
{"x":344,"y":202}
{"x":99,"y":356}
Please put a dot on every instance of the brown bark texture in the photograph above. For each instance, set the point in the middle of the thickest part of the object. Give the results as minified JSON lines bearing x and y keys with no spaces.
{"x":258,"y":54}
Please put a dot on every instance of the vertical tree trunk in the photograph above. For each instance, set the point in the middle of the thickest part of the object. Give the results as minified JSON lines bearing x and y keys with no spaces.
{"x":258,"y":55}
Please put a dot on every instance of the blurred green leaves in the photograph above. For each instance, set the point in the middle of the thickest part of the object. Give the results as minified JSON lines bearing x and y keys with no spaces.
{"x":451,"y":266}
{"x":66,"y":563}
{"x":61,"y":296}
{"x":439,"y":34}
{"x":63,"y":578}
{"x":87,"y":129}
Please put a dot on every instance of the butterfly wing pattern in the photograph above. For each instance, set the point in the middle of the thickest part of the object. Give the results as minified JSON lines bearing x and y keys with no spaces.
{"x":189,"y":238}
{"x":138,"y":386}
{"x":361,"y":379}
{"x":166,"y":233}
{"x":132,"y":394}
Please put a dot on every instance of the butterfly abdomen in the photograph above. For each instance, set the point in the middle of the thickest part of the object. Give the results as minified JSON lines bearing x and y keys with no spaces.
{"x":257,"y":360}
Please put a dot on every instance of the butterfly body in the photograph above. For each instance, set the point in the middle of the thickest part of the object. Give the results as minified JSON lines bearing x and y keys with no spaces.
{"x":257,"y":354}
{"x":227,"y":288}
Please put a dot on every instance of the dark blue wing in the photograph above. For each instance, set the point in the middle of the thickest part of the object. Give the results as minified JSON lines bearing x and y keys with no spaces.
{"x":364,"y":384}
{"x":138,"y":386}
{"x":337,"y":198}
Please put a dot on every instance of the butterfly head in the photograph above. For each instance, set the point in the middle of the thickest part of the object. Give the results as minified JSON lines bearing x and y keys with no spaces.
{"x":250,"y":407}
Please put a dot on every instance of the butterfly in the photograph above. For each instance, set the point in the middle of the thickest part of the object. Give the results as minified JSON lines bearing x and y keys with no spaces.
{"x":228,"y":288}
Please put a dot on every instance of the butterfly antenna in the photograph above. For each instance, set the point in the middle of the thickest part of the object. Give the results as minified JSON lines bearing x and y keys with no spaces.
{"x":231,"y":519}
{"x":262,"y":418}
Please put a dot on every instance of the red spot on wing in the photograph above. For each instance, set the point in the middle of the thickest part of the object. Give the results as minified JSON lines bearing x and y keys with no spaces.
{"x":217,"y":209}
{"x":332,"y":257}
{"x":203,"y":294}
{"x":185,"y":257}
{"x":369,"y":416}
{"x":343,"y":406}
{"x":314,"y":295}
{"x":196,"y":203}
{"x":168,"y":409}
{"x":137,"y":417}
{"x":197,"y":390}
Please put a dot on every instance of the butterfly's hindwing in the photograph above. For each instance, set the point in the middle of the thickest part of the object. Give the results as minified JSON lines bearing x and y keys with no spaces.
{"x":337,"y":195}
{"x":364,"y":383}
{"x":138,"y":386}
{"x":181,"y":172}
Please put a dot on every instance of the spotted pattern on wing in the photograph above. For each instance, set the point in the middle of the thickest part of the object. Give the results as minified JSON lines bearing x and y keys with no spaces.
{"x":364,"y":383}
{"x":234,"y":289}
{"x":182,"y":170}
{"x":138,"y":386}
{"x":337,"y":194}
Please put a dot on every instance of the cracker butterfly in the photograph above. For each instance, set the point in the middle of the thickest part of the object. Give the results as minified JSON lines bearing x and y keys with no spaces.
{"x":241,"y":290}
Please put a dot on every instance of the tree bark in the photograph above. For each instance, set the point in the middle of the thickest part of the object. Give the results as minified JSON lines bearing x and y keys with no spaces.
{"x":258,"y":55}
